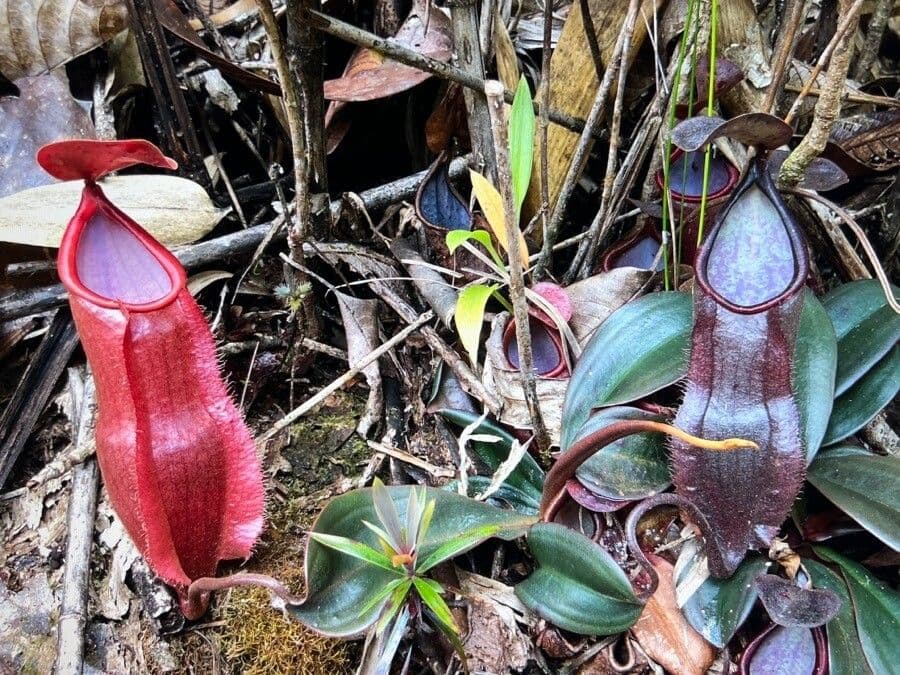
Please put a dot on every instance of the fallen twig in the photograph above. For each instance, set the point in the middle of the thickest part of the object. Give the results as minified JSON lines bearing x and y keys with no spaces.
{"x":863,"y":240}
{"x":467,"y":54}
{"x":582,"y":150}
{"x":33,"y":301}
{"x":82,"y":510}
{"x":336,"y":384}
{"x":494,"y":92}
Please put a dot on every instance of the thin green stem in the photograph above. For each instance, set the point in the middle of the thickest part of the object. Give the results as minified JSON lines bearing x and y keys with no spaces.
{"x":667,"y":152}
{"x":710,"y":110}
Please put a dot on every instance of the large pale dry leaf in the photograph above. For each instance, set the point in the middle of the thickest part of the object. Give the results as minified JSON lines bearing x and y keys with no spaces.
{"x":44,"y":111}
{"x":596,"y":297}
{"x":39,"y":35}
{"x":573,"y":82}
{"x":174,"y":210}
{"x":666,"y":635}
{"x":369,"y":75}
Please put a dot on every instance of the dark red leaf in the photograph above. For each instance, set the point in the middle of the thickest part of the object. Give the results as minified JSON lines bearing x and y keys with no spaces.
{"x":794,"y":606}
{"x":758,"y":129}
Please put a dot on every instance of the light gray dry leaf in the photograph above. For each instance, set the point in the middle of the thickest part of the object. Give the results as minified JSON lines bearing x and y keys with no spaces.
{"x":26,"y":627}
{"x":498,"y":377}
{"x":595,"y":298}
{"x":197,"y":282}
{"x":435,"y":290}
{"x":360,"y":317}
{"x":45,"y":111}
{"x":174,"y":210}
{"x":114,"y":595}
{"x":39,"y":35}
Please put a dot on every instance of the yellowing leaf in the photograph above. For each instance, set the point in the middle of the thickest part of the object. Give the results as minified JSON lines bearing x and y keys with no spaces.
{"x":469,"y":316}
{"x":492,"y":204}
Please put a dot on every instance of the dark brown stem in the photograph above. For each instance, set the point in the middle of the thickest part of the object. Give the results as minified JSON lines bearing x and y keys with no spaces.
{"x":494,"y":91}
{"x":196,"y":599}
{"x":784,"y":49}
{"x":178,"y":136}
{"x":305,"y":50}
{"x":467,"y":55}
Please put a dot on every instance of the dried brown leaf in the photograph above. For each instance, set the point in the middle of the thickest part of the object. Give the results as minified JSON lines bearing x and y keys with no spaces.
{"x":39,"y":35}
{"x":370,"y":76}
{"x":666,"y":635}
{"x":596,"y":297}
{"x":871,"y":139}
{"x":755,"y":128}
{"x":360,"y":317}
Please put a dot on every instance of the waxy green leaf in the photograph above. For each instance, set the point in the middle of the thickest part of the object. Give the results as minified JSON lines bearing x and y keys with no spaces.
{"x":521,"y":142}
{"x":527,"y":478}
{"x":865,"y":398}
{"x":866,"y":327}
{"x":338,"y":585}
{"x":862,"y":485}
{"x":577,"y":585}
{"x":718,"y":608}
{"x":634,"y":467}
{"x":876,"y":608}
{"x":641,"y":348}
{"x":815,"y":363}
{"x":845,"y":652}
{"x":456,"y":238}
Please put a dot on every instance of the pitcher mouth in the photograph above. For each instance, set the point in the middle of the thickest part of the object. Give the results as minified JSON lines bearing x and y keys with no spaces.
{"x":109,"y":260}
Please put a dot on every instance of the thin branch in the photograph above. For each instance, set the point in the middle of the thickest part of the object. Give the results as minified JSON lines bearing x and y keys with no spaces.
{"x":783,"y":51}
{"x":294,"y":112}
{"x":494,"y":92}
{"x":391,"y":48}
{"x":467,"y":56}
{"x":544,"y":127}
{"x":874,"y":35}
{"x":863,"y":240}
{"x":582,"y":151}
{"x":851,"y":19}
{"x":73,"y":612}
{"x":587,"y":251}
{"x":336,"y":384}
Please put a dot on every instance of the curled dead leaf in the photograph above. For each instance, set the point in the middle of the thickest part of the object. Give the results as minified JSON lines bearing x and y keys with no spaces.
{"x":666,"y":635}
{"x":39,"y":35}
{"x":370,"y":76}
